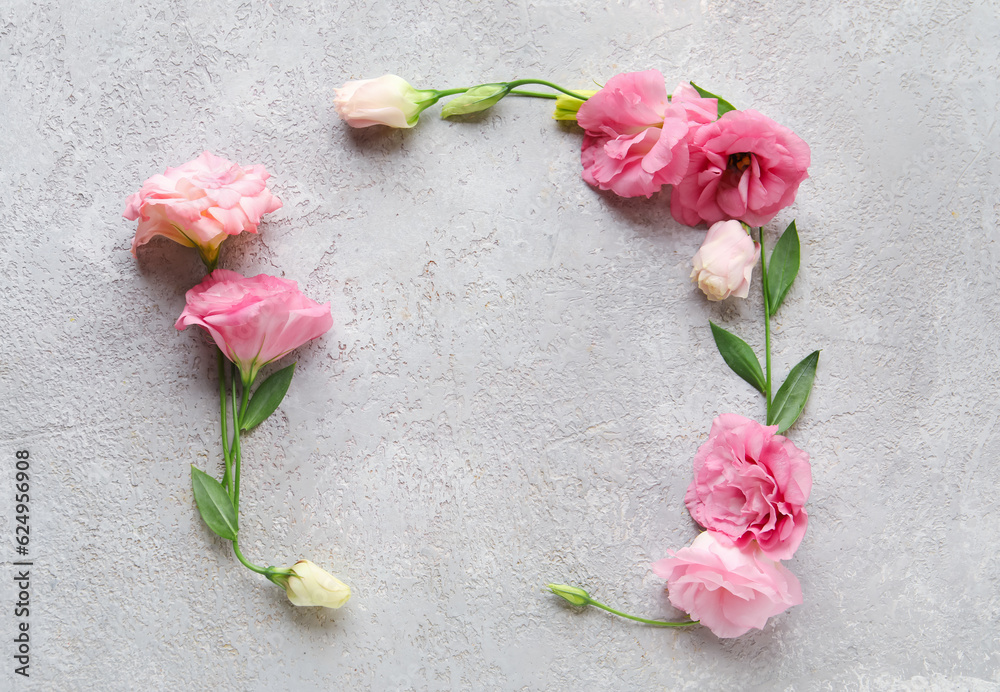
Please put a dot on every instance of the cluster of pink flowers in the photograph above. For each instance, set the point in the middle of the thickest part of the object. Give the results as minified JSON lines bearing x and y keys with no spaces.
{"x":253,"y":321}
{"x":749,"y":489}
{"x":740,"y":166}
{"x":200,"y":204}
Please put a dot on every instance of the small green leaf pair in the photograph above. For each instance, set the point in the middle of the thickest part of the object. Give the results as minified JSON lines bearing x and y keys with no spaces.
{"x":215,"y":504}
{"x":786,"y":406}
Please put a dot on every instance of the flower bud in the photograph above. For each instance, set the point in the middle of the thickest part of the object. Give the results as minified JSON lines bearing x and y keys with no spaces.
{"x":573,"y":594}
{"x":567,"y":106}
{"x":725,"y":261}
{"x":387,"y":100}
{"x":476,"y":99}
{"x":309,"y":585}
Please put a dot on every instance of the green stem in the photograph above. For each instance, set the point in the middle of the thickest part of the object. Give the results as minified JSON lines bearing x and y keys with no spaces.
{"x":767,"y":324}
{"x":514,"y":91}
{"x":657,"y":623}
{"x":246,"y":563}
{"x":238,"y":412}
{"x":521,"y":82}
{"x":223,"y":410}
{"x":532,"y":94}
{"x":440,"y":94}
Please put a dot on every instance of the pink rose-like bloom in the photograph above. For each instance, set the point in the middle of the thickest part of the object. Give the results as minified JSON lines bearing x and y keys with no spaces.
{"x":724,"y":263}
{"x":742,"y":166}
{"x":254,"y":320}
{"x":751,"y":484}
{"x":201,"y":203}
{"x":728,"y":589}
{"x":636,"y":139}
{"x":387,"y":100}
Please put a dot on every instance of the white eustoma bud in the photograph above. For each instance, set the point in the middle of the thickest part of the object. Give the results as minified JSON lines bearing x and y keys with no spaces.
{"x":310,"y":585}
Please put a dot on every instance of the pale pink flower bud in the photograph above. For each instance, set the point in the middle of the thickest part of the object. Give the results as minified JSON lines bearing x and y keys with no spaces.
{"x":387,"y":100}
{"x":725,"y":261}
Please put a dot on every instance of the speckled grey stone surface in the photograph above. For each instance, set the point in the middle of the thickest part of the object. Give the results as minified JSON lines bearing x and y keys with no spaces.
{"x":519,"y":372}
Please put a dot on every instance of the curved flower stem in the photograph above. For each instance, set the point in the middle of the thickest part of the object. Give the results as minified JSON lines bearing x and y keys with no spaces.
{"x":767,"y":325}
{"x":521,"y":82}
{"x":532,"y":94}
{"x":657,"y":623}
{"x":225,"y":433}
{"x":246,"y":563}
{"x":439,"y":94}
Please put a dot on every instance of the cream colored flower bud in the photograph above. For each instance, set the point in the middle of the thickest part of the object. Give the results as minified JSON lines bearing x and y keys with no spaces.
{"x":386,"y":100}
{"x":725,"y":261}
{"x":310,"y":585}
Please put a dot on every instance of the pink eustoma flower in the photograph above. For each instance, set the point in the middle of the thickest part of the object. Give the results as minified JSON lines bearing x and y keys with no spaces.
{"x":254,"y":320}
{"x":742,"y":166}
{"x":201,"y":203}
{"x":729,"y":589}
{"x":636,"y":138}
{"x":751,"y":484}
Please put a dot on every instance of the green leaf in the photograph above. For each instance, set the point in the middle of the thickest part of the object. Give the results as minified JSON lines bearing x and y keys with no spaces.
{"x":724,"y":105}
{"x":214,"y":504}
{"x":267,"y":397}
{"x":476,"y":99}
{"x":739,"y":356}
{"x":782,"y":267}
{"x":791,"y":398}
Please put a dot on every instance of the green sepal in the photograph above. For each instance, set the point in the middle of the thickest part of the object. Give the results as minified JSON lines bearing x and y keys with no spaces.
{"x":739,"y":356}
{"x":267,"y":397}
{"x":478,"y":98}
{"x":791,"y":398}
{"x":724,"y":105}
{"x":214,"y":504}
{"x":782,"y":267}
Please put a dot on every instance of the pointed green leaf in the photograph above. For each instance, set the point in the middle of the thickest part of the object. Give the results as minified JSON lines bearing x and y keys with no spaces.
{"x":739,"y":356}
{"x":476,"y":99}
{"x":782,"y":267}
{"x":267,"y":397}
{"x":214,"y":504}
{"x":791,"y":398}
{"x":724,"y":105}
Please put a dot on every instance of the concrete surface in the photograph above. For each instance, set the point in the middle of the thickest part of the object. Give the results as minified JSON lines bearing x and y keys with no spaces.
{"x":520,"y":371}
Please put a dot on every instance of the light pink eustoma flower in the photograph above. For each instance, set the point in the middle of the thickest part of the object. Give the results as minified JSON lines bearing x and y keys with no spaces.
{"x":730,"y":590}
{"x":254,"y":320}
{"x":751,"y":484}
{"x":386,"y":100}
{"x":742,"y":166}
{"x":724,"y":263}
{"x":636,"y":138}
{"x":201,"y":203}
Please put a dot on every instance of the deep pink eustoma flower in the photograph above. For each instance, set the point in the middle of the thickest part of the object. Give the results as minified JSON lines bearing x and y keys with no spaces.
{"x":751,"y":484}
{"x":636,"y":139}
{"x":742,"y":166}
{"x":201,"y":203}
{"x":730,"y":590}
{"x":254,"y":320}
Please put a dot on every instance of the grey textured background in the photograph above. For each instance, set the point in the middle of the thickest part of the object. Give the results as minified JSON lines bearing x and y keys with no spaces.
{"x":519,"y":372}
